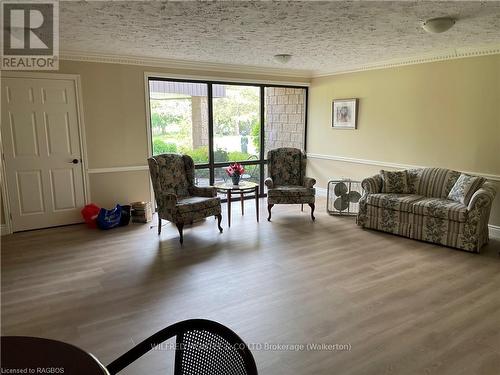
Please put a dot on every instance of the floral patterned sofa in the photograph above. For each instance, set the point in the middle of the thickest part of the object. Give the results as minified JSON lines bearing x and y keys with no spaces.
{"x":436,"y":205}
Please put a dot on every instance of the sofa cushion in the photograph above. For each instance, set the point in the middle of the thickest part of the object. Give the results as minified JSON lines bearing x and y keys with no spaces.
{"x":431,"y":182}
{"x":464,"y":188}
{"x":440,"y":208}
{"x":190,"y":204}
{"x":290,"y":191}
{"x":394,"y":182}
{"x":398,"y":202}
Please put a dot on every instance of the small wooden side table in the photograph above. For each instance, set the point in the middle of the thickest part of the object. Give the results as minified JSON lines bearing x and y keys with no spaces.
{"x":243,"y":188}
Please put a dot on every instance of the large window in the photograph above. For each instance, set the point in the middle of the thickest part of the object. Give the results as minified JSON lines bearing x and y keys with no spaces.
{"x":237,"y":123}
{"x":220,"y":123}
{"x":179,"y":118}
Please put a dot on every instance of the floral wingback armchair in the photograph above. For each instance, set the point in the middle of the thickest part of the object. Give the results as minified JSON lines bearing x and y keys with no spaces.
{"x":287,"y":183}
{"x":179,"y":200}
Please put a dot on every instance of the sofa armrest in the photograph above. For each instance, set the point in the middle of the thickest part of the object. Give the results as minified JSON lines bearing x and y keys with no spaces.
{"x":206,"y":191}
{"x":166,"y":201}
{"x":373,"y":184}
{"x":483,"y":197}
{"x":309,"y":182}
{"x":269,"y":182}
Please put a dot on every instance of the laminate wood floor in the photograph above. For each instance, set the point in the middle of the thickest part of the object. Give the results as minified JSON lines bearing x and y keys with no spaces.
{"x":400,"y":306}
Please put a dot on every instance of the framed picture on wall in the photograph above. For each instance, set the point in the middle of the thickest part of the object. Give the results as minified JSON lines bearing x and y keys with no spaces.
{"x":344,"y":113}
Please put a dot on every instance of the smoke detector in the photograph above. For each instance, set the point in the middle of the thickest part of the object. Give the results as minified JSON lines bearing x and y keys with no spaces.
{"x":283,"y":57}
{"x":438,"y":25}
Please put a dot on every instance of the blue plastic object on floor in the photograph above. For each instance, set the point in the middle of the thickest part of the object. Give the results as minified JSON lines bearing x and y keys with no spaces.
{"x":108,"y":219}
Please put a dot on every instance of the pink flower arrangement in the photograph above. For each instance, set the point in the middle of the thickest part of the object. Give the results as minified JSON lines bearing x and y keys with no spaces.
{"x":235,"y":169}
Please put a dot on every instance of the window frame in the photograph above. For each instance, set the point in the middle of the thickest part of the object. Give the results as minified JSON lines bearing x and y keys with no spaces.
{"x":212,"y":165}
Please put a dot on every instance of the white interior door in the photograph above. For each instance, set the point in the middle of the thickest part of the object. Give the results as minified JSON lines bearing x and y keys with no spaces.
{"x":43,"y":157}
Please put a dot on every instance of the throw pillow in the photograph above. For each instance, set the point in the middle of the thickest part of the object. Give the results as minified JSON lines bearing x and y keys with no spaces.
{"x":464,"y":188}
{"x":394,"y":182}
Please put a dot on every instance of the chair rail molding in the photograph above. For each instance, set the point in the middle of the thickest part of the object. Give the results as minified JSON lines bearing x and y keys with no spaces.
{"x":129,"y":168}
{"x":491,"y":177}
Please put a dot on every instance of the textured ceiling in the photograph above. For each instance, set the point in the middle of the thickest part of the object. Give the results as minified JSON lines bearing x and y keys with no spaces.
{"x":321,"y":36}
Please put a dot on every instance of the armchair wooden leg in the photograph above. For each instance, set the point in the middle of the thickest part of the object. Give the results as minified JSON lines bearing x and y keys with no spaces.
{"x":219,"y":219}
{"x":312,"y":211}
{"x":302,"y":207}
{"x":269,"y":206}
{"x":180,"y":226}
{"x":159,"y":224}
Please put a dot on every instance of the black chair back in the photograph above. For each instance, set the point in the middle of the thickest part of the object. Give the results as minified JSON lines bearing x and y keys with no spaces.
{"x":202,"y":347}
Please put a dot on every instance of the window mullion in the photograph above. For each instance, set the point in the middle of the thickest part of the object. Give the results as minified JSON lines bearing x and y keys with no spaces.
{"x":210,"y":133}
{"x":262,"y":137}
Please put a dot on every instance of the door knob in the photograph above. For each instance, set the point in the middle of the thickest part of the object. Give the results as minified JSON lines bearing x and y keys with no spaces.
{"x":75,"y":161}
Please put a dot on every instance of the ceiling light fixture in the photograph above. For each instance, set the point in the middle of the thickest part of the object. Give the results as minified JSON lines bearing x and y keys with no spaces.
{"x":438,"y":25}
{"x":283,"y":57}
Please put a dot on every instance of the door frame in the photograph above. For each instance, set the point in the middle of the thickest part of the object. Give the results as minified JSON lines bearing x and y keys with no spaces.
{"x":81,"y":132}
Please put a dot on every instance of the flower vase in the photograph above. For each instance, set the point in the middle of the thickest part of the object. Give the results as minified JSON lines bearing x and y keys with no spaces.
{"x":236,"y":179}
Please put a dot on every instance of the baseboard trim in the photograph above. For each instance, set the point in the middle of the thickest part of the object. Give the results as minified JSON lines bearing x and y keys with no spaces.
{"x":492,"y":177}
{"x":4,"y":229}
{"x":322,"y":192}
{"x":494,"y":230}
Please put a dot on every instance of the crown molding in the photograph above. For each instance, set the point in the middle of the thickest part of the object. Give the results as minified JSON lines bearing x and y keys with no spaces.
{"x":182,"y":64}
{"x":452,"y":54}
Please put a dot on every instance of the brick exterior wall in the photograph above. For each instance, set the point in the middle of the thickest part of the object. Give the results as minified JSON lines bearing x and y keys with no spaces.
{"x":285,"y":118}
